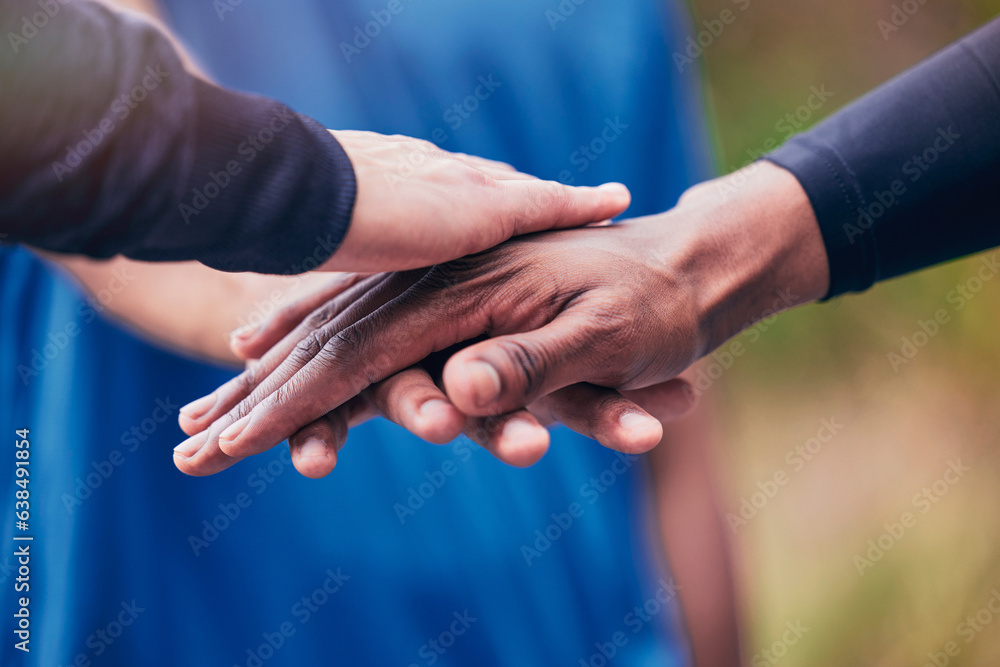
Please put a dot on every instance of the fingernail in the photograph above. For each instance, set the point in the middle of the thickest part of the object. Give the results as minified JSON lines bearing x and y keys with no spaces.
{"x":197,"y":409}
{"x":519,"y":430}
{"x":313,"y":448}
{"x":191,"y":446}
{"x":234,"y":430}
{"x":485,"y":383}
{"x":619,"y":189}
{"x":242,"y":333}
{"x":433,"y":407}
{"x":636,"y":423}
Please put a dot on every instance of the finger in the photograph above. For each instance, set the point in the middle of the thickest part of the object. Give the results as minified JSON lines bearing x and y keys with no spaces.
{"x":314,"y":448}
{"x":506,"y":373}
{"x":397,"y":335}
{"x":515,"y":438}
{"x":252,"y":342}
{"x":602,"y":414}
{"x":667,"y":401}
{"x":291,"y":353}
{"x":535,"y":206}
{"x":411,"y":399}
{"x":201,"y":455}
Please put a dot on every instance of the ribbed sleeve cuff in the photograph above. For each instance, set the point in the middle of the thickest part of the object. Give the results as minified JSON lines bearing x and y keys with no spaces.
{"x":268,"y":190}
{"x":840,"y":209}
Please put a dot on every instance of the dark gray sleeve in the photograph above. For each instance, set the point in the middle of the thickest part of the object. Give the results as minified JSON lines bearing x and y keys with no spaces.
{"x":109,"y":146}
{"x":908,"y":175}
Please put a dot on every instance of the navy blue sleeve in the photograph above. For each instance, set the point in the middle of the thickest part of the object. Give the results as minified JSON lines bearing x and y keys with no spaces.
{"x":109,"y":146}
{"x":909,"y":175}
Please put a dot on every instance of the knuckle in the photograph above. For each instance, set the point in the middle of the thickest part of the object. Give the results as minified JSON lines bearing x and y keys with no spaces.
{"x":349,"y":351}
{"x":554,"y":199}
{"x":479,"y":178}
{"x":321,"y":316}
{"x":530,"y":363}
{"x":242,"y":409}
{"x":248,"y":380}
{"x":345,"y":338}
{"x":307,"y":348}
{"x":287,"y":398}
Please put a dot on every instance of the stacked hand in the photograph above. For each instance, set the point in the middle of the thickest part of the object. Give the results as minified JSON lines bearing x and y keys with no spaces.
{"x":582,"y":326}
{"x":418,"y":205}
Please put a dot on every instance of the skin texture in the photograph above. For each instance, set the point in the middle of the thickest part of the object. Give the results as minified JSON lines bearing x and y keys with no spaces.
{"x":213,"y":302}
{"x":192,"y":309}
{"x":598,"y":311}
{"x":412,"y":399}
{"x":418,"y":205}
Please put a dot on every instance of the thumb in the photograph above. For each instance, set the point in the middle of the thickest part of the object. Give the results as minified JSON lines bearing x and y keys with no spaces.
{"x":538,"y":206}
{"x":507,"y":373}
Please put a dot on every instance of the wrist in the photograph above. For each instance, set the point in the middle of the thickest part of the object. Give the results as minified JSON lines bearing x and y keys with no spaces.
{"x":753,"y":248}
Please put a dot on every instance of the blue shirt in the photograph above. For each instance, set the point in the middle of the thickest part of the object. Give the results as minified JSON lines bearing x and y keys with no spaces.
{"x":409,"y":554}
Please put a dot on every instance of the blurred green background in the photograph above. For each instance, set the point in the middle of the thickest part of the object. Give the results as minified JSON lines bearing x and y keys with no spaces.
{"x":900,"y":426}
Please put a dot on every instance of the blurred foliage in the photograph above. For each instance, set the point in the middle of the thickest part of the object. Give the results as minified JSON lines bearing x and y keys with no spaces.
{"x":901,"y":426}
